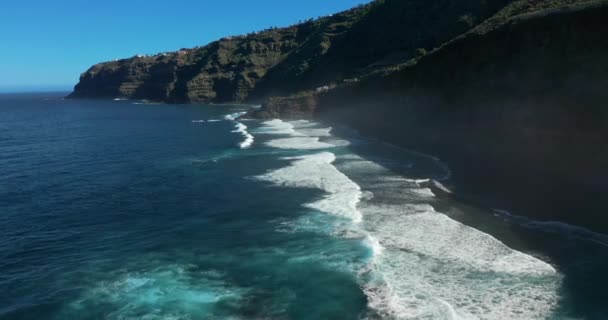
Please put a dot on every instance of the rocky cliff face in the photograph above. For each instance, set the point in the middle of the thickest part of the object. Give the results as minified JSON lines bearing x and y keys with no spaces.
{"x":223,"y":71}
{"x":297,"y":106}
{"x":288,"y":60}
{"x":227,"y":70}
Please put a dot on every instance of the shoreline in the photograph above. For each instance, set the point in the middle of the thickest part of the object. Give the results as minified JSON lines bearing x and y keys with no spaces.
{"x":252,"y":105}
{"x":468,"y":186}
{"x":480,"y":185}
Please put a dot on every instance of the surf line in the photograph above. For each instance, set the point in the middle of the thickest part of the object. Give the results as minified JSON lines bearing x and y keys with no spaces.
{"x":248,"y":139}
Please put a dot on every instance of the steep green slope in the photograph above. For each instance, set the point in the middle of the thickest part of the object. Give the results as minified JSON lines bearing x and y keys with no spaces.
{"x":225,"y":70}
{"x":283,"y":61}
{"x":222,"y":71}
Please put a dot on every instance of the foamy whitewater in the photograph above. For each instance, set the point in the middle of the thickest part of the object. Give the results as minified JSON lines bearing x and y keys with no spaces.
{"x":200,"y":214}
{"x":248,"y":138}
{"x":424,"y":265}
{"x":317,"y":172}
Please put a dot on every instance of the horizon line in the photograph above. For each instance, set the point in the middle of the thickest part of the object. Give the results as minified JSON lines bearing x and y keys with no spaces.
{"x":36,"y":89}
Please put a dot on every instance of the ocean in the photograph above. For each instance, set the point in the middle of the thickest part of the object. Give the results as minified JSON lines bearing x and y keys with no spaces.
{"x":131,"y":210}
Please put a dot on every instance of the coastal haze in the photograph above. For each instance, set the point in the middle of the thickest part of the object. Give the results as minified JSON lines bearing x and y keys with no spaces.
{"x":397,"y":160}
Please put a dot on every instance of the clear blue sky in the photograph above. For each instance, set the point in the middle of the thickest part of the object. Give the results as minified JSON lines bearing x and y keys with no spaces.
{"x":47,"y":44}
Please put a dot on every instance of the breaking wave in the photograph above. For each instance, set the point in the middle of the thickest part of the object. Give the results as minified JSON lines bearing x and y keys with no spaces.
{"x":423,"y":264}
{"x":234,"y":116}
{"x":299,"y":135}
{"x":433,"y":267}
{"x":248,"y":138}
{"x":317,"y":172}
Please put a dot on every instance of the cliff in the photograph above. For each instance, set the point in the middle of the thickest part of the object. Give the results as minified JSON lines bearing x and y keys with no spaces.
{"x":284,"y":61}
{"x":223,"y":71}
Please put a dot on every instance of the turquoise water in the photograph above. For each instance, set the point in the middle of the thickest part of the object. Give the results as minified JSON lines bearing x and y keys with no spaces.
{"x":122,"y":210}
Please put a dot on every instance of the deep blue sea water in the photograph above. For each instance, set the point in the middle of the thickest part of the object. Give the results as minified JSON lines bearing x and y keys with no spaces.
{"x":124,"y":210}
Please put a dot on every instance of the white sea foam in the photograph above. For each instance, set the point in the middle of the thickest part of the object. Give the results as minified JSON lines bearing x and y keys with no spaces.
{"x":317,"y":172}
{"x":311,"y":129}
{"x":169,"y":292}
{"x":315,"y":132}
{"x":301,"y":134}
{"x":248,"y":138}
{"x":374,"y":244}
{"x":198,"y":121}
{"x":302,"y":143}
{"x":234,"y":116}
{"x":277,"y":127}
{"x":424,"y":192}
{"x":413,"y":285}
{"x":432,"y":267}
{"x":438,"y":236}
{"x":419,"y":181}
{"x":424,"y":265}
{"x":441,"y":187}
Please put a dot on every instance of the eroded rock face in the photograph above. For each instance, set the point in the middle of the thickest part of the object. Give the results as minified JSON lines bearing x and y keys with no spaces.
{"x":288,"y":60}
{"x":227,"y":70}
{"x":224,"y":71}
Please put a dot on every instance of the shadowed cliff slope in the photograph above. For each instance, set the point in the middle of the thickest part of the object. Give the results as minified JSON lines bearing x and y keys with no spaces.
{"x":517,"y":108}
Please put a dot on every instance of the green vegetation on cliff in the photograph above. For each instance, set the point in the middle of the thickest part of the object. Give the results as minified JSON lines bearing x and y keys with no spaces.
{"x":227,"y":70}
{"x":250,"y":68}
